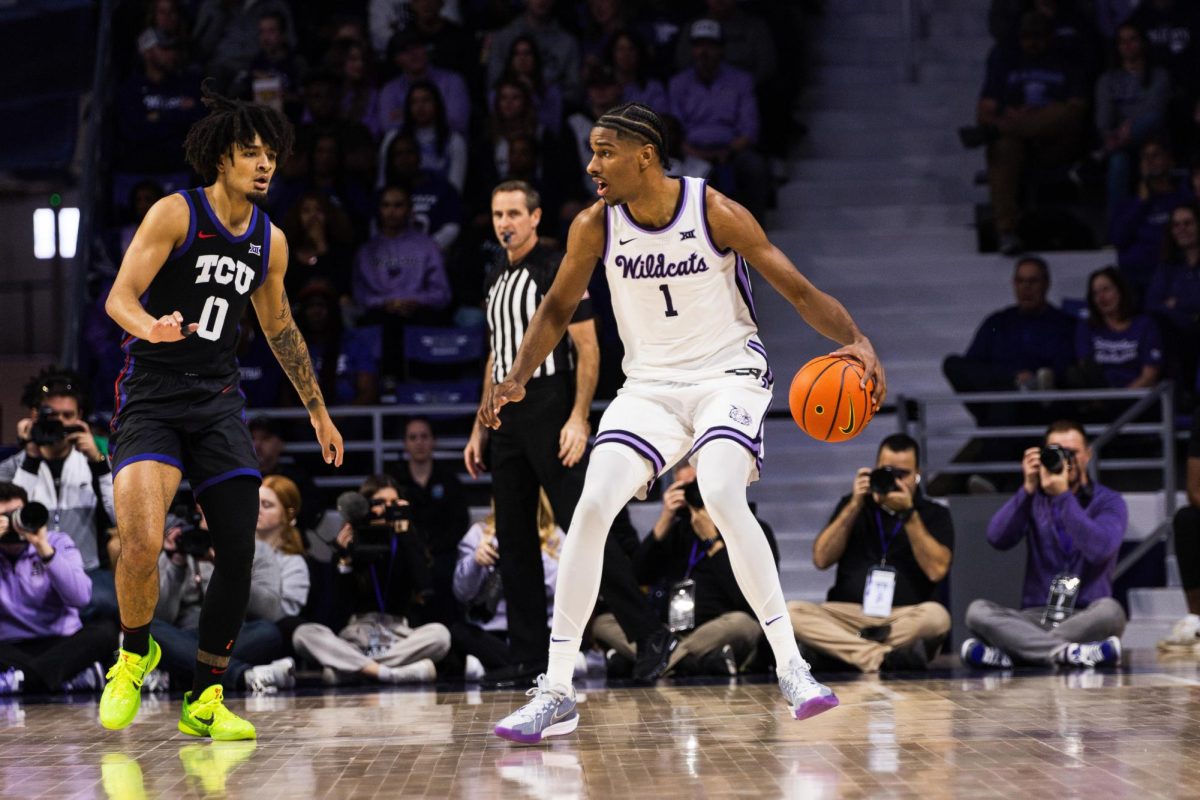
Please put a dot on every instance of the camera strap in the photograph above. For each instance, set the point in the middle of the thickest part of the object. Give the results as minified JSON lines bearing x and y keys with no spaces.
{"x":379,"y":593}
{"x":885,"y":541}
{"x":695,"y":558}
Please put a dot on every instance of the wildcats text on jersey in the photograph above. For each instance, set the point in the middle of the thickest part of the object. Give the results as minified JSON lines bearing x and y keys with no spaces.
{"x":655,"y":265}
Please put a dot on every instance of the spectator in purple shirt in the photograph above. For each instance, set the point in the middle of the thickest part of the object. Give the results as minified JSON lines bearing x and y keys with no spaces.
{"x":1025,"y":346}
{"x":716,"y":105}
{"x":155,"y":108}
{"x":630,"y":61}
{"x":1116,"y":348}
{"x":399,"y":277}
{"x":1174,"y":294}
{"x":407,"y":52}
{"x":1139,"y":223}
{"x":1071,"y":527}
{"x":43,"y":644}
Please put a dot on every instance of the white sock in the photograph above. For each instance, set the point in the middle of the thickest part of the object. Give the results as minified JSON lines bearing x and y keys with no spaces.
{"x":722,"y":469}
{"x":609,"y":484}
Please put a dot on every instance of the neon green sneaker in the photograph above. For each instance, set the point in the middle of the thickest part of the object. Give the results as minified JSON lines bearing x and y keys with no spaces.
{"x":208,"y":716}
{"x":121,"y":777}
{"x":123,"y":693}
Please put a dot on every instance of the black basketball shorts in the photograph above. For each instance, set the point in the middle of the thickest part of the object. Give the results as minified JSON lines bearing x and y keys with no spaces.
{"x":195,"y":424}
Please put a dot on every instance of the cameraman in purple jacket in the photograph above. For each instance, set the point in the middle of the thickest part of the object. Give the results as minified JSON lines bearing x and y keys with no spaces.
{"x":43,"y":644}
{"x":1073,"y":529}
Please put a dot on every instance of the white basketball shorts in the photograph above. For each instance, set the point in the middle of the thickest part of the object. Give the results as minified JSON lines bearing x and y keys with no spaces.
{"x":665,"y":423}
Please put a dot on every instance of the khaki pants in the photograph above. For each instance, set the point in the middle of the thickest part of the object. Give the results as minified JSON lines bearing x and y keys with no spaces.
{"x":735,"y":628}
{"x":1046,"y":136}
{"x":833,"y":628}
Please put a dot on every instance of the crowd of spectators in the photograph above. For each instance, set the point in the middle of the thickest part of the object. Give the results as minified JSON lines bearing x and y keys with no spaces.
{"x":407,"y":113}
{"x":1083,"y":88}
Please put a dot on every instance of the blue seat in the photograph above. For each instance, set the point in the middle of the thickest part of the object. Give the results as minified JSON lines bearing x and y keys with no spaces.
{"x":438,"y":392}
{"x":443,"y":345}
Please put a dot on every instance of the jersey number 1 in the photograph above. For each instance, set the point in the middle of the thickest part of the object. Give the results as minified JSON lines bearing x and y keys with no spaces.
{"x":212,"y":319}
{"x":671,"y":312}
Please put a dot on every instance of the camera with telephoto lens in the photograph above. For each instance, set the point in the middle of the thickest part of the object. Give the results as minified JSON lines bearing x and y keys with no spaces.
{"x":29,"y":518}
{"x":193,"y":540}
{"x":1054,"y":458}
{"x":48,"y":430}
{"x":883,"y":480}
{"x":374,"y":524}
{"x":691,"y":495}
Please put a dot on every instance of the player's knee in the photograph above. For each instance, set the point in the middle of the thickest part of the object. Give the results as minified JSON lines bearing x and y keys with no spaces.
{"x":140,"y":553}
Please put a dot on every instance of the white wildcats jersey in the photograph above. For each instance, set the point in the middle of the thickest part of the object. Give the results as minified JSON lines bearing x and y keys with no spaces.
{"x":684,"y":309}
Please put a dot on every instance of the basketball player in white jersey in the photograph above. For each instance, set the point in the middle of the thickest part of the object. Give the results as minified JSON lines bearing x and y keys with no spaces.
{"x":698,"y":386}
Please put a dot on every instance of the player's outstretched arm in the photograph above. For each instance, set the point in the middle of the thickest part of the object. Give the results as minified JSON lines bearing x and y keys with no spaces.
{"x":585,"y":246}
{"x":164,"y":228}
{"x":733,"y":226}
{"x":275,"y":315}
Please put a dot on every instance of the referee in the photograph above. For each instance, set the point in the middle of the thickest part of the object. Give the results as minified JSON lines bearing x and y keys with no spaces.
{"x":542,"y":444}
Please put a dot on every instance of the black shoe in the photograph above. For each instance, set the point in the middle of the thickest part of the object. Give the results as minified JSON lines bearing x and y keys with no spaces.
{"x":617,"y":665}
{"x":875,"y":633}
{"x":653,"y":653}
{"x":911,"y":657}
{"x":512,"y":676}
{"x":721,"y":662}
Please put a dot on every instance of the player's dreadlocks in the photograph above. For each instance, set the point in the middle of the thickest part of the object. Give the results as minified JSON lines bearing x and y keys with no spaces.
{"x":639,"y":122}
{"x":231,"y":122}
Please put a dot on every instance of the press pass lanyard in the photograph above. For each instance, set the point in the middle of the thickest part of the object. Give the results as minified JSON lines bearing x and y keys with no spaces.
{"x":885,"y":542}
{"x":695,"y":558}
{"x":375,"y":579}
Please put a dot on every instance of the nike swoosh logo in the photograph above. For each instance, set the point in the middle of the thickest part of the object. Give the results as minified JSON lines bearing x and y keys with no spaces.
{"x":203,"y":235}
{"x":775,"y":619}
{"x":626,"y":241}
{"x":204,"y":721}
{"x":558,"y":641}
{"x":849,"y":425}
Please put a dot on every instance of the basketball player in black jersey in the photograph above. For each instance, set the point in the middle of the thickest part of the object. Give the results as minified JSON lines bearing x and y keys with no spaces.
{"x":198,"y":257}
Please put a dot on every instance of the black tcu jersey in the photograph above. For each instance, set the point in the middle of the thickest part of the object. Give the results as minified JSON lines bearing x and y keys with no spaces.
{"x":178,"y":402}
{"x":209,"y":280}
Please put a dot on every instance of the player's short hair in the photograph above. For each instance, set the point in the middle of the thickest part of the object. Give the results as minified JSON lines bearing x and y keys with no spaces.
{"x":533,"y":198}
{"x":231,"y":122}
{"x":901,"y":443}
{"x":638,"y":122}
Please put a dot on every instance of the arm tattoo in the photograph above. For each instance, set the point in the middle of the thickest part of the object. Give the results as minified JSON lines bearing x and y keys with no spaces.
{"x":284,"y":306}
{"x":289,"y":348}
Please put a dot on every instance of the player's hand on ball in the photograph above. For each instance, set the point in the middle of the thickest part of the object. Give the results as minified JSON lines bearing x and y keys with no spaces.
{"x":572,"y":441}
{"x":864,"y":351}
{"x":497,"y":397}
{"x":170,"y":328}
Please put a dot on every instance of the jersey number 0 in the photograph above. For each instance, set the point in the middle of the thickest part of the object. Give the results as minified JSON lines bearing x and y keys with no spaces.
{"x":212,"y":319}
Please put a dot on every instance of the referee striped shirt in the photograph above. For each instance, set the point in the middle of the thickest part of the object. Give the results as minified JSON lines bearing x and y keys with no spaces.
{"x":513,"y":292}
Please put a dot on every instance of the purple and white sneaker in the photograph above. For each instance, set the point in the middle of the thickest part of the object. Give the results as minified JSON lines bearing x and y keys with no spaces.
{"x":1092,"y":654}
{"x":806,"y":696}
{"x":551,"y":712}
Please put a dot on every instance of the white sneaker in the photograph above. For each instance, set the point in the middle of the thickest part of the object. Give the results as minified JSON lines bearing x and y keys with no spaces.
{"x":270,"y":678}
{"x":474,"y":669}
{"x":805,"y":695}
{"x":1183,"y":637}
{"x":157,"y":681}
{"x":422,"y":671}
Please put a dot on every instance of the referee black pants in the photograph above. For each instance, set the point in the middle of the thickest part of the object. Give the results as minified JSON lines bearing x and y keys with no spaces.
{"x":524,"y":457}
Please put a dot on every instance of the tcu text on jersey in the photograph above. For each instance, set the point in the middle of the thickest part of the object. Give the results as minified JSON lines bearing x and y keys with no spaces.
{"x":224,"y":270}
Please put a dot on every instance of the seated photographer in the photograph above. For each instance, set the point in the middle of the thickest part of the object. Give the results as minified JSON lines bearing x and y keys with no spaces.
{"x":481,"y":640}
{"x":185,"y":567}
{"x":383,"y":578}
{"x":892,"y":545}
{"x":61,"y":467}
{"x":1072,"y":528}
{"x":43,"y":643}
{"x":686,"y":556}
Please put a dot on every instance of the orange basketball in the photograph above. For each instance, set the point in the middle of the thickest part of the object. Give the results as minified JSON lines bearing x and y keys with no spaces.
{"x":826,"y":400}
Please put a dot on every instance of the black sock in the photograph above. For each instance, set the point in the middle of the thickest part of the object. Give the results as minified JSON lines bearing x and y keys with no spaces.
{"x":206,"y":675}
{"x":137,"y":640}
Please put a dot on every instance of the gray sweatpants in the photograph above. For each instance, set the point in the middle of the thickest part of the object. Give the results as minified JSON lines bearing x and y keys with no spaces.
{"x":1019,"y":633}
{"x":385,"y":640}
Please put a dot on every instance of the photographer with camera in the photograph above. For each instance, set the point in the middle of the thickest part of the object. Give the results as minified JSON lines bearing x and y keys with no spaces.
{"x":43,"y":586}
{"x":61,"y":467}
{"x":685,"y":560}
{"x":383,"y":578}
{"x":892,"y":545}
{"x":1073,"y":529}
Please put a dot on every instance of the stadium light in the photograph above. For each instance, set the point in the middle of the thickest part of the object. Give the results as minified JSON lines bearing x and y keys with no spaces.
{"x":55,"y":232}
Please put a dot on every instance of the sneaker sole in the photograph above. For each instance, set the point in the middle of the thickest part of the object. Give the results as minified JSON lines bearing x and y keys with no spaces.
{"x":558,"y":729}
{"x":817,"y":705}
